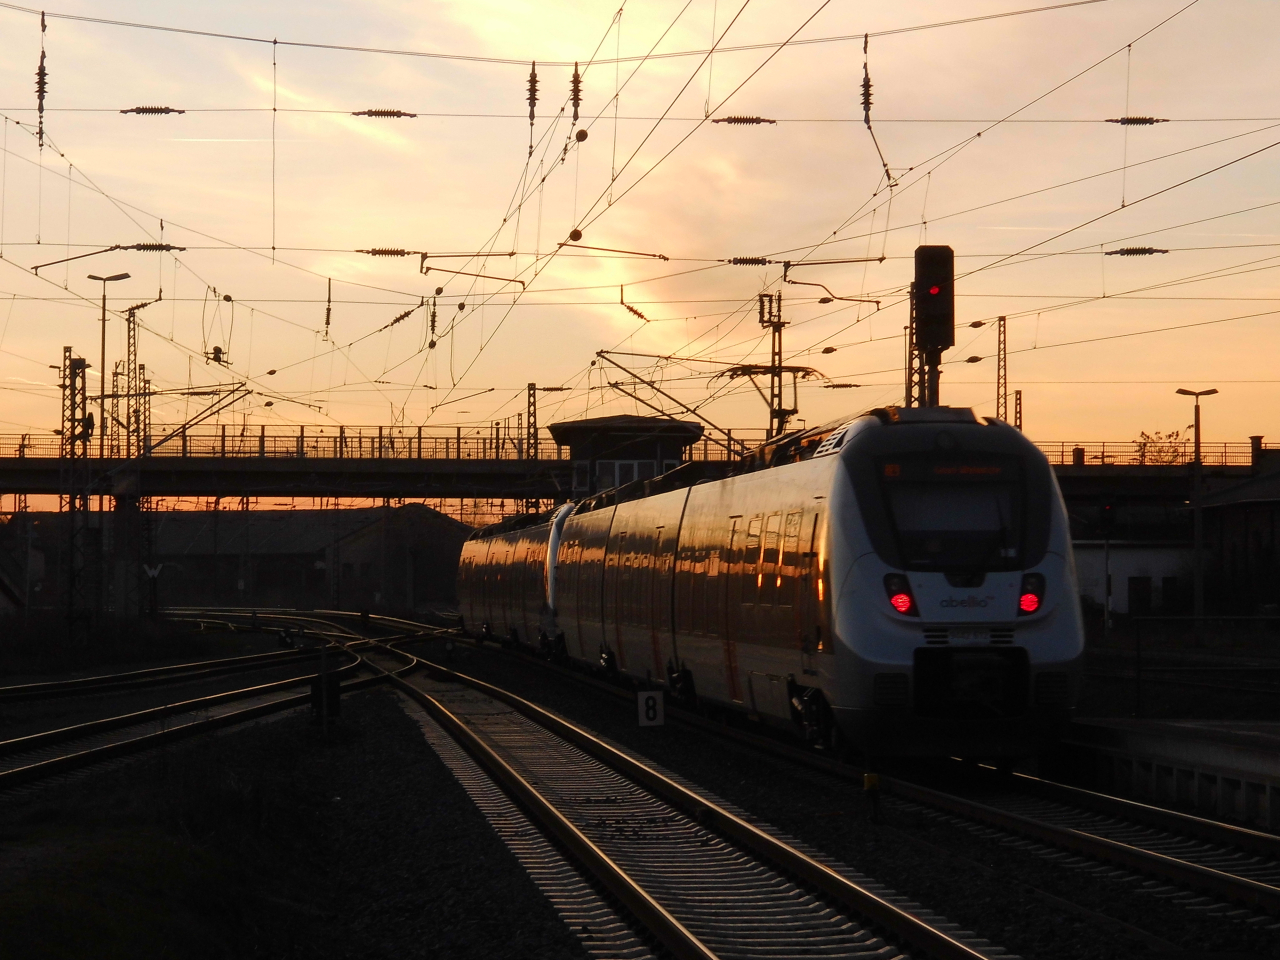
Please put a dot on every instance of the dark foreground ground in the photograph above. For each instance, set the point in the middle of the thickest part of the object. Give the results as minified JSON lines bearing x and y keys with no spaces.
{"x":269,"y":842}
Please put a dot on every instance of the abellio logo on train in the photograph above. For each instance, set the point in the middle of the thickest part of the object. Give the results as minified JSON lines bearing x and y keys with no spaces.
{"x":969,"y":601}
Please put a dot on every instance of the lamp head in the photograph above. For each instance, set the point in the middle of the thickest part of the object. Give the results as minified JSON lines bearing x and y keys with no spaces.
{"x":114,"y":276}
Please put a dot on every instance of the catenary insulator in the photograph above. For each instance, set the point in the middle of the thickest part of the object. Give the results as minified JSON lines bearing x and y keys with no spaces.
{"x":533,"y":88}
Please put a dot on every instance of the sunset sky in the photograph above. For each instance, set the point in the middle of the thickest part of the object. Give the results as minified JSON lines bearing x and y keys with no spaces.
{"x":994,"y":132}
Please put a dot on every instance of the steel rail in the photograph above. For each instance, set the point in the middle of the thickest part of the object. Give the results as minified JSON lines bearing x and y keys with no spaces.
{"x":901,"y":925}
{"x":150,"y":676}
{"x":256,"y":617}
{"x":1213,"y":831}
{"x":1184,"y":873}
{"x":44,"y":769}
{"x":656,"y":919}
{"x":36,"y":741}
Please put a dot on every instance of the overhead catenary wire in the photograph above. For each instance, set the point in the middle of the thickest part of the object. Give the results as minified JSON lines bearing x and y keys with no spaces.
{"x":521,"y":304}
{"x":521,"y":61}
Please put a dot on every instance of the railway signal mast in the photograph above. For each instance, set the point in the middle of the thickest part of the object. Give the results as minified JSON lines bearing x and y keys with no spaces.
{"x":933,"y":323}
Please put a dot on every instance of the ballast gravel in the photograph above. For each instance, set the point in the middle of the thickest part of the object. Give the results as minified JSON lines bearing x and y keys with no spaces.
{"x":412,"y":867}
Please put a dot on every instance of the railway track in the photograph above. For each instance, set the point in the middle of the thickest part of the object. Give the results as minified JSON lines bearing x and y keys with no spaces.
{"x":40,"y":756}
{"x":1175,"y":852}
{"x":698,"y":876}
{"x":152,"y":676}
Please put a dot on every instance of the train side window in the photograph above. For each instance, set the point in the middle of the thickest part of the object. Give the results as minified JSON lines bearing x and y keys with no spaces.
{"x":791,"y":543}
{"x":769,"y":573}
{"x":751,"y":561}
{"x":711,"y":592}
{"x":770,"y":554}
{"x":752,"y":546}
{"x":698,"y":589}
{"x":683,"y":588}
{"x":714,"y":591}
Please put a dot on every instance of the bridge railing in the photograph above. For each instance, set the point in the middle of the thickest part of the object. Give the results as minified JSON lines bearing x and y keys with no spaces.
{"x":1139,"y":453}
{"x":355,"y":442}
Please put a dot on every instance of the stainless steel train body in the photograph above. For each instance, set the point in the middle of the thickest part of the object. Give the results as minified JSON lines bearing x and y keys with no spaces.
{"x":903,"y":580}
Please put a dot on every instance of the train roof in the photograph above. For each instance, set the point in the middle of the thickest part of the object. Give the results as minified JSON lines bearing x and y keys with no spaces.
{"x":822,"y":440}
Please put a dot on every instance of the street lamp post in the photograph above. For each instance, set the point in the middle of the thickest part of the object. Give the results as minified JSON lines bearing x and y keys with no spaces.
{"x":1197,"y":507}
{"x":102,"y":370}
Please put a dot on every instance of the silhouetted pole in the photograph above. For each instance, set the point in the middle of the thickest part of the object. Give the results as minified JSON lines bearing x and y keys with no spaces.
{"x":1197,"y":511}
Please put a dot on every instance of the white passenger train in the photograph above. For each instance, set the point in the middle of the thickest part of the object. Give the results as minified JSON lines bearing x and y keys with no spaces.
{"x":902,"y":581}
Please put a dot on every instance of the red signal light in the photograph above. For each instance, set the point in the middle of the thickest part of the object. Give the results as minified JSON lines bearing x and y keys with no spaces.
{"x":935,"y":290}
{"x":1028,"y":603}
{"x":901,"y":602}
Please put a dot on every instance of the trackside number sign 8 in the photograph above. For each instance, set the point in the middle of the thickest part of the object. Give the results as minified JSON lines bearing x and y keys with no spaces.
{"x":649,"y":705}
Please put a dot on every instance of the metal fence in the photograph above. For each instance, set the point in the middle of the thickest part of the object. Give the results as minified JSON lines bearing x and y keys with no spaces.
{"x":358,"y":442}
{"x":498,"y":443}
{"x":1136,"y":452}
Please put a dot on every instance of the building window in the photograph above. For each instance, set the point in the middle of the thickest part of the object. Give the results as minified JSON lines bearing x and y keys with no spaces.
{"x":614,"y":473}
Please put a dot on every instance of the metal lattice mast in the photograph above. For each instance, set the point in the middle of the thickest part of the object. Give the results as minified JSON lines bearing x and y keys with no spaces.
{"x":771,"y":319}
{"x":532,"y":504}
{"x":915,"y":386}
{"x":133,"y":388}
{"x":531,"y":423}
{"x":1002,"y":372}
{"x":116,"y":444}
{"x":77,"y":430}
{"x":1017,"y":409}
{"x":143,"y":408}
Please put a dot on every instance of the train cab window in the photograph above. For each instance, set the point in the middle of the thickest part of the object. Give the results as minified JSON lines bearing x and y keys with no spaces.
{"x":955,"y":515}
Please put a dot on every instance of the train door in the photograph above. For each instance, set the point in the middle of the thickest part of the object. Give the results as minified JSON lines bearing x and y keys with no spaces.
{"x":789,"y":628}
{"x":769,"y":613}
{"x":622,"y":582}
{"x":736,"y":612}
{"x":576,"y":573}
{"x":653,"y":606}
{"x":807,"y":615}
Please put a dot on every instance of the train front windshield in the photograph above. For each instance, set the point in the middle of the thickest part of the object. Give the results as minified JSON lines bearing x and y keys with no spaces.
{"x":955,"y":515}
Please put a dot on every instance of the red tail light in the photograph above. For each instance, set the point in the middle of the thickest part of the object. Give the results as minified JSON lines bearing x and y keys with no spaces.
{"x":898,"y":589}
{"x":1031,"y":596}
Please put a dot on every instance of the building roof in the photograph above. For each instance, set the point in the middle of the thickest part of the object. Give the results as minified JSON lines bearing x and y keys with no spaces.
{"x":204,"y":532}
{"x":1262,"y":489}
{"x":625,"y":427}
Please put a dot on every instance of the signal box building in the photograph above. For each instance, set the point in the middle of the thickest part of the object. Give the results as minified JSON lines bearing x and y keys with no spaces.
{"x":610,"y":451}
